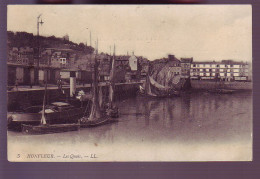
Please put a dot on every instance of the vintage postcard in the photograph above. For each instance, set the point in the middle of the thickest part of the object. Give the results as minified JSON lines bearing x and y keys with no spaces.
{"x":94,"y":83}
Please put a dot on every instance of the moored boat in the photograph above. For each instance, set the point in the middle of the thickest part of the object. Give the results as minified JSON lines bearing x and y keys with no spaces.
{"x":98,"y":114}
{"x":47,"y":129}
{"x":86,"y":123}
{"x":55,"y":113}
{"x":55,"y":117}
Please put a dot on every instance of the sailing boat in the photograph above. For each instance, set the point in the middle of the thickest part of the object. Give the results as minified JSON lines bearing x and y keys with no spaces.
{"x":44,"y":127}
{"x":97,"y":115}
{"x":112,"y":110}
{"x":154,"y":89}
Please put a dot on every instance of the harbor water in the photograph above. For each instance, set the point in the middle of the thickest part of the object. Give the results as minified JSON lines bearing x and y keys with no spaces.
{"x":197,"y":126}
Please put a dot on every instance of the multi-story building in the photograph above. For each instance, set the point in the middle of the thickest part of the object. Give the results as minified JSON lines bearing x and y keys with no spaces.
{"x":19,"y":63}
{"x":20,"y":56}
{"x":185,"y":67}
{"x":128,"y":67}
{"x":226,"y":70}
{"x":174,"y":65}
{"x":62,"y":58}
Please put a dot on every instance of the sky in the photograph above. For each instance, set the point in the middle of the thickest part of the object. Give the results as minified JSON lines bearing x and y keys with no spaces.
{"x":204,"y":32}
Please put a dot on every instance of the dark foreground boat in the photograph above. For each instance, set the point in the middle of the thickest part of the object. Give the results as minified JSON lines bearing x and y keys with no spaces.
{"x":47,"y":129}
{"x":55,"y":113}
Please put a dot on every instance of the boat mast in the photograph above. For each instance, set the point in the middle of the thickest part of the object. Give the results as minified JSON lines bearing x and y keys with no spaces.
{"x":147,"y":81}
{"x":111,"y":86}
{"x":95,"y":109}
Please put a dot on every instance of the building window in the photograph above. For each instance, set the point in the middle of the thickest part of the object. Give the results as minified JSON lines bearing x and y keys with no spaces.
{"x":194,"y":65}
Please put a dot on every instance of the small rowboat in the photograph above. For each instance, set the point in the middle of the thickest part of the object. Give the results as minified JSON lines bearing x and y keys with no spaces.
{"x":47,"y":129}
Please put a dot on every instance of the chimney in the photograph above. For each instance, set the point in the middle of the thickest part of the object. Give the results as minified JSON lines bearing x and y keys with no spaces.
{"x":171,"y":57}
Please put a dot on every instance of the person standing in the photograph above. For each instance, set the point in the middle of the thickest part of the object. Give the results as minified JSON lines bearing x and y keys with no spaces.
{"x":16,"y":84}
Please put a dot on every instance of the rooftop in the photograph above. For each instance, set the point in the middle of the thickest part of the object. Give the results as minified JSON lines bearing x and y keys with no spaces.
{"x":186,"y":60}
{"x":228,"y":62}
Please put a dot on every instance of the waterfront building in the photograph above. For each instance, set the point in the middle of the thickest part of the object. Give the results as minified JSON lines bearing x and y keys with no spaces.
{"x":62,"y":58}
{"x":185,"y":67}
{"x":22,"y":61}
{"x":174,"y":65}
{"x":20,"y":56}
{"x":19,"y":63}
{"x":226,"y":70}
{"x":133,"y":62}
{"x":128,"y":67}
{"x":104,"y":69}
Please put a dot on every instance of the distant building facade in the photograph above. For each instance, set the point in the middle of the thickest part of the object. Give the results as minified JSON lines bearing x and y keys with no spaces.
{"x":174,"y":65}
{"x":20,"y":62}
{"x":127,"y":68}
{"x":20,"y":56}
{"x":226,"y":70}
{"x":185,"y":67}
{"x":133,"y":63}
{"x":61,"y":58}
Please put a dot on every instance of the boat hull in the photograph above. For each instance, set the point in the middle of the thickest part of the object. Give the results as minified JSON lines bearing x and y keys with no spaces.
{"x":16,"y":120}
{"x":48,"y":129}
{"x":98,"y":122}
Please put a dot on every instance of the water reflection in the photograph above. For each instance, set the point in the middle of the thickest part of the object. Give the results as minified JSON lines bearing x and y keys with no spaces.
{"x":191,"y":115}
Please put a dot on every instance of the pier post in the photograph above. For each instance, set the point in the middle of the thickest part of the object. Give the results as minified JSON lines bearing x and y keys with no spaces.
{"x":72,"y":83}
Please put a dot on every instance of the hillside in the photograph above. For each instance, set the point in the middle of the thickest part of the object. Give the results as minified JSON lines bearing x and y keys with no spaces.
{"x":24,"y":39}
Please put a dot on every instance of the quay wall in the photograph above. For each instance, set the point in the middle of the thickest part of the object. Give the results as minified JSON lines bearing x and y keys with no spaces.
{"x":25,"y":98}
{"x":233,"y":85}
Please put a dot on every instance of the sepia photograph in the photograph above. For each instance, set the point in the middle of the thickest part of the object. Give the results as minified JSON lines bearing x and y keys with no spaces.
{"x":129,"y":83}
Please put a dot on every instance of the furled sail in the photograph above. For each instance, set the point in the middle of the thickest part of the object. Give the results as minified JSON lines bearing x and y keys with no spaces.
{"x":95,"y":108}
{"x":100,"y":96}
{"x":43,"y":119}
{"x":112,"y":84}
